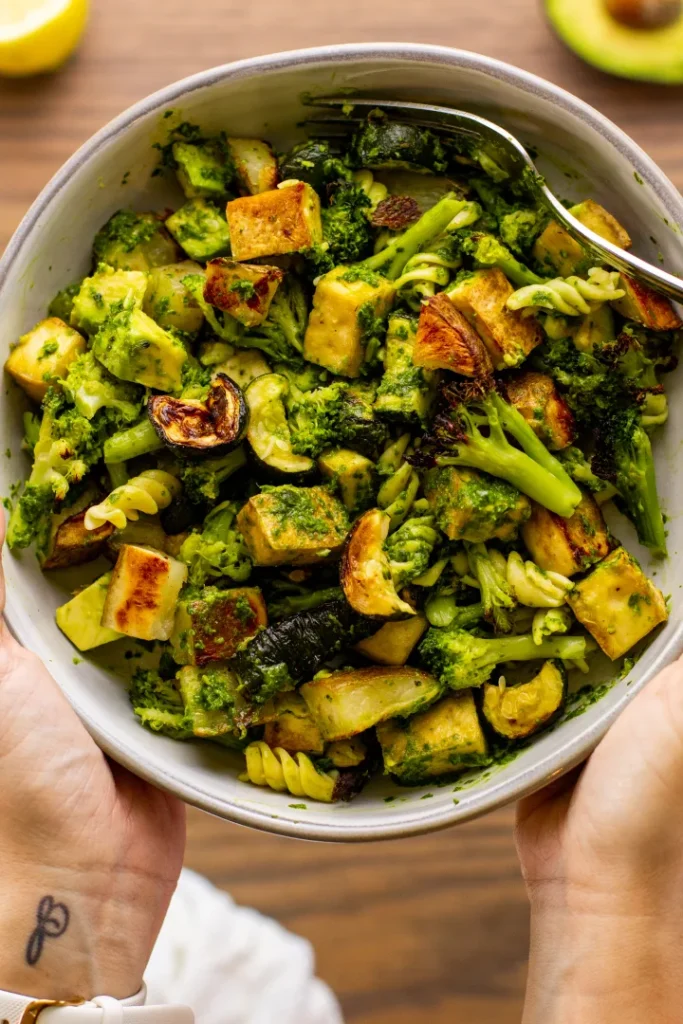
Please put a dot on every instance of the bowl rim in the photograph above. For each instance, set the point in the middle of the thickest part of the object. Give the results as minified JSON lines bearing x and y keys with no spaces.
{"x":573,"y":750}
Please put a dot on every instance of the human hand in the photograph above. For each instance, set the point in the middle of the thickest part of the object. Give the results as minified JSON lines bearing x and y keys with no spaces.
{"x":90,"y":854}
{"x":602,"y":856}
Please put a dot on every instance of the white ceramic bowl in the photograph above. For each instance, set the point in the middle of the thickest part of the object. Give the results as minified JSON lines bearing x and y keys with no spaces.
{"x":580,"y":152}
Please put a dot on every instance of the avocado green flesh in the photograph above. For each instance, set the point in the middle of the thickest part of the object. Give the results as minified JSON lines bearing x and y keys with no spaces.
{"x":650,"y":55}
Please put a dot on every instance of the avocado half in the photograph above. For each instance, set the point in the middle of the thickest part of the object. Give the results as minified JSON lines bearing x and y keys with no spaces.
{"x":648,"y":55}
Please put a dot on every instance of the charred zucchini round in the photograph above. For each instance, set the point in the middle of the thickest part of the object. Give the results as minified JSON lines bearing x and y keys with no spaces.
{"x":196,"y":428}
{"x":516,"y":712}
{"x":365,"y":573}
{"x":382,"y":144}
{"x":268,"y":432}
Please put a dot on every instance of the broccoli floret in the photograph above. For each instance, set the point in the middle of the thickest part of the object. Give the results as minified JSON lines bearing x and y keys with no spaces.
{"x":314,"y":417}
{"x":281,"y":335}
{"x":488,"y":251}
{"x":580,"y":470}
{"x":312,"y":161}
{"x":519,"y":229}
{"x":488,"y":567}
{"x":158,"y":705}
{"x":218,"y":549}
{"x":443,"y":610}
{"x":31,"y":432}
{"x":346,"y":228}
{"x":550,"y":621}
{"x":91,"y":387}
{"x":456,"y":439}
{"x":460,"y":660}
{"x":410,"y":548}
{"x":202,"y":480}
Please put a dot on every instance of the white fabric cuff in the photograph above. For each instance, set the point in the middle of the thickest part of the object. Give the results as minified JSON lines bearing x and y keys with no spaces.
{"x":18,"y":1009}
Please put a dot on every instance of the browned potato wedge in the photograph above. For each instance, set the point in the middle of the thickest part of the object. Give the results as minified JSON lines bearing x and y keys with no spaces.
{"x":646,"y":306}
{"x":569,"y":545}
{"x":446,"y":340}
{"x":542,"y":406}
{"x":255,"y":164}
{"x":214,"y":624}
{"x":72,"y":544}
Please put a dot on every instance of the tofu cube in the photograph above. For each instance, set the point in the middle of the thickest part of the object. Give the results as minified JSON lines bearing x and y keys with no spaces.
{"x":213,"y":625}
{"x":447,"y":341}
{"x":618,"y":604}
{"x":97,"y":294}
{"x":244,"y":290}
{"x":293,"y":525}
{"x":336,"y":333}
{"x":473,"y":506}
{"x":201,"y":229}
{"x":282,"y":220}
{"x":446,"y":738}
{"x":556,"y":250}
{"x":508,"y":335}
{"x":569,"y":545}
{"x":44,"y":353}
{"x":80,"y":619}
{"x":255,"y":164}
{"x":394,"y":642}
{"x":406,"y":391}
{"x":542,"y":406}
{"x":646,"y":306}
{"x":353,"y":475}
{"x":143,"y":593}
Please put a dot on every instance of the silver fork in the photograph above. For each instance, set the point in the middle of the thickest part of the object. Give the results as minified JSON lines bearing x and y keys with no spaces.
{"x":509,"y":153}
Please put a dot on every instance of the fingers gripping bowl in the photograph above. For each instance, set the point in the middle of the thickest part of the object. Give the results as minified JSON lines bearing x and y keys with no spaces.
{"x":583,"y":156}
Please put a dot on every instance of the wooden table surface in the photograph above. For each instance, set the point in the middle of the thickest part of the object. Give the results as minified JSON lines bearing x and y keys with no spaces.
{"x":432,"y":929}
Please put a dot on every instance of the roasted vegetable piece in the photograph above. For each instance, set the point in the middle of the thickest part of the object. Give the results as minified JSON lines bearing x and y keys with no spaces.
{"x":556,"y":250}
{"x":517,"y":712}
{"x":547,"y":413}
{"x":134,"y":241}
{"x":282,"y":220}
{"x":569,"y":545}
{"x":293,"y":525}
{"x":44,"y":353}
{"x":201,"y":229}
{"x":646,"y":306}
{"x":312,"y":161}
{"x":211,"y":700}
{"x":347,"y":234}
{"x":295,"y":648}
{"x":204,"y":169}
{"x":92,"y":388}
{"x":509,"y":337}
{"x":133,"y":347}
{"x":268,"y":432}
{"x":71,"y":544}
{"x":346,"y":703}
{"x":243,"y":290}
{"x":352,"y":475}
{"x":394,"y":642}
{"x":293,"y":729}
{"x":158,"y":704}
{"x":365,"y":572}
{"x":460,"y":660}
{"x":106,"y":290}
{"x":218,"y":550}
{"x":475,"y":506}
{"x":618,"y":604}
{"x":80,"y":619}
{"x":212,"y":625}
{"x":194,"y":428}
{"x":498,"y":599}
{"x":168,"y":300}
{"x":446,"y":340}
{"x":406,"y":391}
{"x":143,"y":593}
{"x":255,"y":165}
{"x":382,"y":144}
{"x":446,"y":738}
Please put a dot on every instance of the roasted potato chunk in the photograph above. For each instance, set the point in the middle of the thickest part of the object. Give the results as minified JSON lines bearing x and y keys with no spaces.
{"x":508,"y":336}
{"x":292,"y":728}
{"x":283,"y":220}
{"x":474,"y":506}
{"x":255,"y":165}
{"x":143,"y":593}
{"x":43,"y":353}
{"x":335,"y":336}
{"x":211,"y":699}
{"x":169,"y":302}
{"x":618,"y":604}
{"x":394,"y":642}
{"x":646,"y":306}
{"x":445,"y":738}
{"x":214,"y":624}
{"x":72,"y":544}
{"x":516,"y":712}
{"x":543,"y":407}
{"x":569,"y":545}
{"x":558,"y":252}
{"x":243,"y":290}
{"x":447,"y":341}
{"x":293,"y":525}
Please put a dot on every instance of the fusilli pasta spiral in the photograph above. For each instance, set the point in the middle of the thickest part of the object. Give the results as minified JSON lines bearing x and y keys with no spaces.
{"x":430,"y":271}
{"x":534,"y":587}
{"x":275,"y":768}
{"x":410,"y":548}
{"x":572,"y":296}
{"x":149,"y":492}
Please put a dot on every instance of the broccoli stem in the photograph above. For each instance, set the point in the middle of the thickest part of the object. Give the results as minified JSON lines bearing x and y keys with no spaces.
{"x":524,"y":648}
{"x":637,"y":483}
{"x":391,"y":260}
{"x":290,"y":604}
{"x":140,"y":439}
{"x":496,"y":255}
{"x":443,"y":610}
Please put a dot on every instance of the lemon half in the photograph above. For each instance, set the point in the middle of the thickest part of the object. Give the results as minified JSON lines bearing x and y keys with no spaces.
{"x":39,"y":35}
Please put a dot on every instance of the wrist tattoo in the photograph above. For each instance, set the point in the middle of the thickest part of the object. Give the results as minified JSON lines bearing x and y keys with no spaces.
{"x":52,"y":920}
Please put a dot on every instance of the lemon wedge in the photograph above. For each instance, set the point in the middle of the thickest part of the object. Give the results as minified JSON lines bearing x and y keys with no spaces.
{"x":39,"y":35}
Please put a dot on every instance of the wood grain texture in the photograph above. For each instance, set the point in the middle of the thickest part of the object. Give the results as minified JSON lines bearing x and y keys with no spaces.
{"x":431,"y":929}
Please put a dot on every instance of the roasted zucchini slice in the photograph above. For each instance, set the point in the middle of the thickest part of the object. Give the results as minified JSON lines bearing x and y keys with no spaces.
{"x":365,"y":573}
{"x":516,"y":712}
{"x":346,"y":703}
{"x":268,"y":432}
{"x":195,"y":428}
{"x":446,"y":738}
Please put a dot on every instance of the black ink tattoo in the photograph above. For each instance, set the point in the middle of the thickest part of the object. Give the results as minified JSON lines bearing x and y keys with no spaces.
{"x":52,"y":920}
